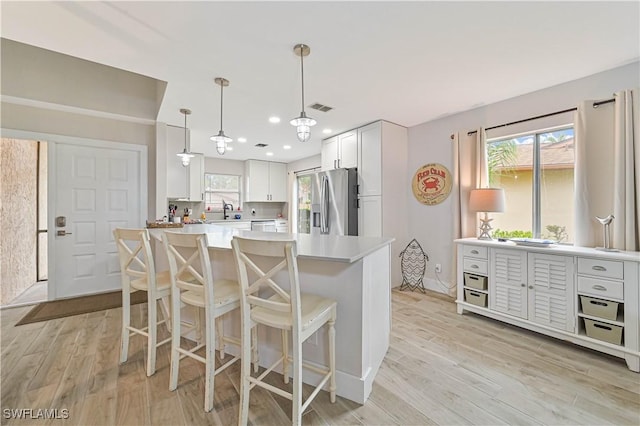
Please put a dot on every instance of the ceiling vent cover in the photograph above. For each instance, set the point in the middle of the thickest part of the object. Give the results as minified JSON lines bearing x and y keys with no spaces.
{"x":320,"y":107}
{"x":261,"y":145}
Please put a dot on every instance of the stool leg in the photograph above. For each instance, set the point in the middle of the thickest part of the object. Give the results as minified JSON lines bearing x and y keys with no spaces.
{"x":254,"y":348}
{"x":220,"y":335}
{"x":285,"y":355}
{"x":126,"y":322}
{"x":332,"y":356}
{"x":175,"y":339}
{"x":152,"y":335}
{"x":210,"y":358}
{"x":296,"y":349}
{"x":245,"y":370}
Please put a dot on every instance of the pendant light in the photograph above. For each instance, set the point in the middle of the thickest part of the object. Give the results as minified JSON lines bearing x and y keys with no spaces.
{"x":303,"y":123}
{"x":221,"y":139}
{"x":185,"y":156}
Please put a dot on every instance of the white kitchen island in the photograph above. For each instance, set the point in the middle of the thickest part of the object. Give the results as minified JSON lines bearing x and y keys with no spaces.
{"x":354,"y":271}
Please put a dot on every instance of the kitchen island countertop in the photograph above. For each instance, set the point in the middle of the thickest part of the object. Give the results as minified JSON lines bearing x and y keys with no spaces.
{"x":319,"y":247}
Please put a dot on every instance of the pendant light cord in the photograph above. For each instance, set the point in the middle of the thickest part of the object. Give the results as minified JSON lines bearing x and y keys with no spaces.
{"x":185,"y":131}
{"x":221,"y":94}
{"x":302,"y":68}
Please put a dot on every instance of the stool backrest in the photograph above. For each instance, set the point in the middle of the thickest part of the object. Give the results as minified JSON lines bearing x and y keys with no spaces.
{"x":247,"y":252}
{"x":136,"y":258}
{"x":192,"y":270}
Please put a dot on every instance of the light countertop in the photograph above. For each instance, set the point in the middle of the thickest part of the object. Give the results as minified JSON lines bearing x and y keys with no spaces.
{"x":556,"y":249}
{"x":347,"y":249}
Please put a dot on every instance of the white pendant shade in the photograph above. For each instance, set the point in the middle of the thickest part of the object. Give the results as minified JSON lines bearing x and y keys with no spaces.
{"x":185,"y":156}
{"x":221,"y":139}
{"x":303,"y":123}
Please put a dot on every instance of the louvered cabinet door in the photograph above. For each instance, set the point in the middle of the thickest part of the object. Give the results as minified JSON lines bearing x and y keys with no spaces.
{"x":507,"y":282}
{"x":551,"y":289}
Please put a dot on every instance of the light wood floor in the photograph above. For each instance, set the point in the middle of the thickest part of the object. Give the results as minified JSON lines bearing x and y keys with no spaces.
{"x":441,"y":368}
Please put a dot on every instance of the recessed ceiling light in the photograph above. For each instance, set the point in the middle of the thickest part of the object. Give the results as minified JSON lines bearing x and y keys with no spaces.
{"x":229,"y":148}
{"x":242,"y":140}
{"x":287,"y":146}
{"x":274,"y":119}
{"x":269,"y":154}
{"x":327,"y":131}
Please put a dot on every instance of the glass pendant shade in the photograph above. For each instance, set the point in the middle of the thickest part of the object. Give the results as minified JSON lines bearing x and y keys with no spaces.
{"x":221,"y":141}
{"x":185,"y":157}
{"x":303,"y":126}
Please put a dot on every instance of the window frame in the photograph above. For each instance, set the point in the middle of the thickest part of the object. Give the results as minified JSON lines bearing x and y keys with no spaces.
{"x":536,"y":170}
{"x":218,"y":191}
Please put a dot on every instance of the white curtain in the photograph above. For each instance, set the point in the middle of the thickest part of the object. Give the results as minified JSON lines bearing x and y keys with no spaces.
{"x":607,"y":171}
{"x":626,"y":197}
{"x":469,"y":172}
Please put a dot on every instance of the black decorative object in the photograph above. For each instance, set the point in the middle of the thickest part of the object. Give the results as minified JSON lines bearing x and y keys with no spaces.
{"x":413,"y":264}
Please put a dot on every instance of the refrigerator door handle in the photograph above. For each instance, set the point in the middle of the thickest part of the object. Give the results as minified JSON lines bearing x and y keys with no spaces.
{"x":324,"y":206}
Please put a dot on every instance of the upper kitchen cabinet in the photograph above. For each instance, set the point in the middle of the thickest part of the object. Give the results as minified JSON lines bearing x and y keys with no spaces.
{"x":265,"y":181}
{"x":183,"y":183}
{"x":340,"y":152}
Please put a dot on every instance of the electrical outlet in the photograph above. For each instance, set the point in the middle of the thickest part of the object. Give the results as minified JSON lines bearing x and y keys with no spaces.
{"x":438,"y":268}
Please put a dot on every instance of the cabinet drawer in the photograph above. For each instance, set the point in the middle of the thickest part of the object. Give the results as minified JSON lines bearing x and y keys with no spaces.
{"x":601,"y":268}
{"x":475,"y":265}
{"x":475,"y":251}
{"x":601,"y":288}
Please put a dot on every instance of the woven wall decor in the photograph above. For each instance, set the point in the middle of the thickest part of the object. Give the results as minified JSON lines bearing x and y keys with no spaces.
{"x":413,"y":264}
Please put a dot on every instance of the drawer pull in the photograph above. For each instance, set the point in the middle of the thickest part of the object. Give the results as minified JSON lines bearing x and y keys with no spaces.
{"x":474,"y":252}
{"x":474,"y":266}
{"x":599,"y":287}
{"x":598,"y":268}
{"x":595,"y":324}
{"x":598,"y":303}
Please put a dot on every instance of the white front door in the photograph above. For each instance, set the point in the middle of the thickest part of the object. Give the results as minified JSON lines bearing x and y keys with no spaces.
{"x":97,"y":189}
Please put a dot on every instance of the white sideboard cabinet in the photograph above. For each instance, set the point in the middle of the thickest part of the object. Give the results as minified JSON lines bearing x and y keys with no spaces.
{"x":582,"y":295}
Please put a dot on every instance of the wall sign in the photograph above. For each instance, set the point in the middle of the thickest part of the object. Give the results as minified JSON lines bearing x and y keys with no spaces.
{"x":431,"y":184}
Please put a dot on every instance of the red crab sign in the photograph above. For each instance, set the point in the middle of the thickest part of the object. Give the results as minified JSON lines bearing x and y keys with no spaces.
{"x":431,"y":184}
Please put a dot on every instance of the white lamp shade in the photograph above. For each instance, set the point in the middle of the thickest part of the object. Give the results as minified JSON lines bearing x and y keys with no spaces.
{"x":487,"y":200}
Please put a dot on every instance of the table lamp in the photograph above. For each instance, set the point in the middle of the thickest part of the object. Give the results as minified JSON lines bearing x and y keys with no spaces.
{"x":486,"y":200}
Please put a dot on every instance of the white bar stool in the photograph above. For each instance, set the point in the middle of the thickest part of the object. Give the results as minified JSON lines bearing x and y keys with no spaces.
{"x":138,"y":272}
{"x":192,"y":284}
{"x":302,"y":314}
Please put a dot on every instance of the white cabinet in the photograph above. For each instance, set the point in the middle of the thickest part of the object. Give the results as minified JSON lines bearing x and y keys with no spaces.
{"x":369,"y":164}
{"x":282,"y":225}
{"x":577,"y":294}
{"x":533,"y":286}
{"x":370,"y":216}
{"x":340,"y":152}
{"x":184,"y":183}
{"x":265,"y":181}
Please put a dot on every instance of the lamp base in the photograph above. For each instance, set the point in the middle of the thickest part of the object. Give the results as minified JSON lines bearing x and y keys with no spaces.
{"x":485,"y":229}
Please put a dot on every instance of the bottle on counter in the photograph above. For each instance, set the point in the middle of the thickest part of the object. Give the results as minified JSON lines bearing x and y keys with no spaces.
{"x":203,"y":216}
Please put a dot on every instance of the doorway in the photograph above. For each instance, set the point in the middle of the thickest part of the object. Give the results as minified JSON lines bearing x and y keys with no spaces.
{"x":23,"y":209}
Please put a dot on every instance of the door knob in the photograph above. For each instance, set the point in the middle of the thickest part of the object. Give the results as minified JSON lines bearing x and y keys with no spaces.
{"x":62,"y":233}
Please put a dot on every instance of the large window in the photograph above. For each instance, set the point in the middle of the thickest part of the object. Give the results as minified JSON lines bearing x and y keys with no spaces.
{"x":219,"y":189}
{"x":536,"y":172}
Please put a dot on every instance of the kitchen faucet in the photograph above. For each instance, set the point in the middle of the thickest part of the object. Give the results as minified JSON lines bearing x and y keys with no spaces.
{"x":226,"y":207}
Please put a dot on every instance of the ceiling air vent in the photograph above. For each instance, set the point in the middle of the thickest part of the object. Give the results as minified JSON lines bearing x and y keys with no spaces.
{"x":261,"y":145}
{"x":320,"y":107}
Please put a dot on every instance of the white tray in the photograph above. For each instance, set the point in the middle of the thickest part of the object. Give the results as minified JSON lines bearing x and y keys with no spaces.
{"x":533,"y":242}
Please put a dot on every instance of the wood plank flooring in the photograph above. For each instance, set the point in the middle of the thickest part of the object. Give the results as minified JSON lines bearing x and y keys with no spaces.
{"x":442,"y":368}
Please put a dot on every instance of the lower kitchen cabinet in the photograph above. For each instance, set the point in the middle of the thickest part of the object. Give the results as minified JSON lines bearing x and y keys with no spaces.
{"x":578,"y":294}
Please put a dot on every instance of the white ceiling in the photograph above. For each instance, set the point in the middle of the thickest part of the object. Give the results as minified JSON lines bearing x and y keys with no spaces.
{"x":406,"y":62}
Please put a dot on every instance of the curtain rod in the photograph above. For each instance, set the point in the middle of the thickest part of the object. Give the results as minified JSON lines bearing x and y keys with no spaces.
{"x":306,"y":170}
{"x":595,"y":105}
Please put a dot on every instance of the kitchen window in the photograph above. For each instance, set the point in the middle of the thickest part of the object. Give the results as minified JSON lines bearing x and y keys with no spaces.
{"x":221,"y":189}
{"x":536,"y":171}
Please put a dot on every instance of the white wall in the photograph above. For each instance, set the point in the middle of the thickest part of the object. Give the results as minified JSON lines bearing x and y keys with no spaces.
{"x":430,"y":142}
{"x":304,"y":163}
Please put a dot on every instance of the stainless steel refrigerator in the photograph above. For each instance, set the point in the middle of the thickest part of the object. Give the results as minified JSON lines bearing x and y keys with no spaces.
{"x":334,"y":202}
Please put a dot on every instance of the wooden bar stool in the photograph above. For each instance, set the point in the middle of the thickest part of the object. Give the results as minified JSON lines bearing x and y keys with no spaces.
{"x":302,"y":314}
{"x":138,"y":272}
{"x":192,"y":284}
